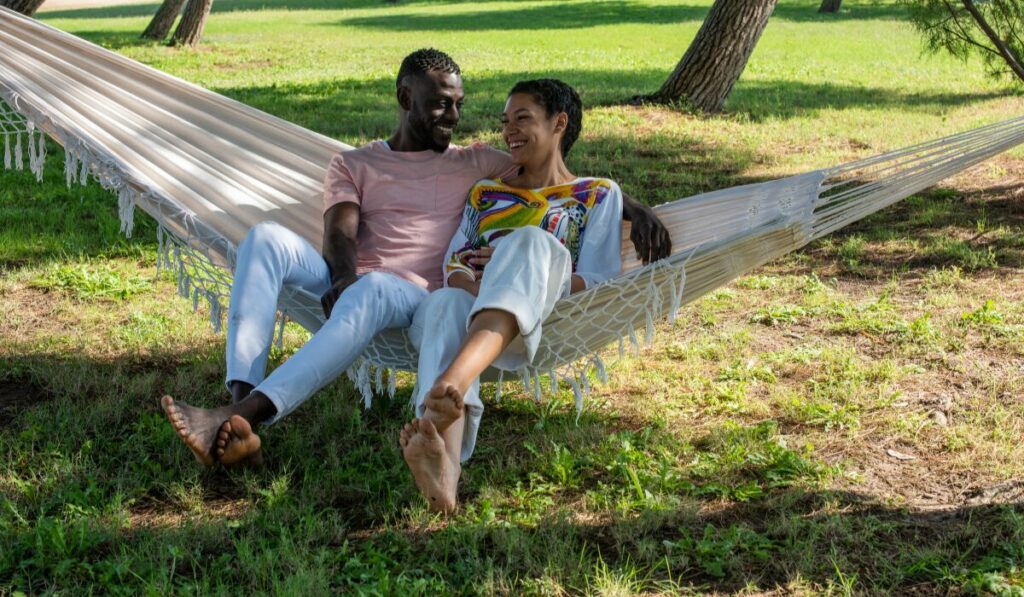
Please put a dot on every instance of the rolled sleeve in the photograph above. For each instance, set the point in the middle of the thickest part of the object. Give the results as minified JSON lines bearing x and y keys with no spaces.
{"x":600,"y":255}
{"x":339,"y":184}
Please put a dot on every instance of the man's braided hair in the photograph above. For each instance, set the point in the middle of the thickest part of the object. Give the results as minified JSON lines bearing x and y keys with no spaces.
{"x":423,"y":61}
{"x":556,"y":96}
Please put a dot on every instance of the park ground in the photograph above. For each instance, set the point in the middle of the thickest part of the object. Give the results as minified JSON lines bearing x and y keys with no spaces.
{"x":847,"y":419}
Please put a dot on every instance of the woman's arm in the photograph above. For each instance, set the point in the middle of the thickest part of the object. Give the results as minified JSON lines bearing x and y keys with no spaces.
{"x":458,"y":270}
{"x":600,"y":255}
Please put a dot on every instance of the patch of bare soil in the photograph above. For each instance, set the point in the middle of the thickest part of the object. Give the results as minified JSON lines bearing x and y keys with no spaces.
{"x":161,"y":515}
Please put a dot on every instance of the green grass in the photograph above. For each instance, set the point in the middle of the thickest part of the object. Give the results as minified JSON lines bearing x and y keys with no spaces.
{"x":744,"y":451}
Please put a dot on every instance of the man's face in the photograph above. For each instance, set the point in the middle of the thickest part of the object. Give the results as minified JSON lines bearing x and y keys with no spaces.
{"x":435,"y":105}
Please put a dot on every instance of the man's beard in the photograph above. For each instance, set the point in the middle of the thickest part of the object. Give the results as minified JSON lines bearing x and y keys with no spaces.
{"x":429,"y":135}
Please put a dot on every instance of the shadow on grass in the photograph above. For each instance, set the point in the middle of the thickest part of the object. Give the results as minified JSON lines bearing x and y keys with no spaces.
{"x":977,"y":230}
{"x":109,"y":497}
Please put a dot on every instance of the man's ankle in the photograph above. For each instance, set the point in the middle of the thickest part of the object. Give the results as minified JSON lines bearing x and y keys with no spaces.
{"x":239,"y":390}
{"x":257,"y":407}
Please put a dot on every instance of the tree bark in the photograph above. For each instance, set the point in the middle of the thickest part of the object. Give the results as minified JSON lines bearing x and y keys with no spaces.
{"x":830,"y":5}
{"x":1004,"y":50}
{"x":717,"y":56}
{"x":190,"y":29}
{"x":163,"y":20}
{"x":25,"y":7}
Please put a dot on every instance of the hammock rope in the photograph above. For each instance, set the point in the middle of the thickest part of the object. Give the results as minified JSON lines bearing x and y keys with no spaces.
{"x":207,"y":168}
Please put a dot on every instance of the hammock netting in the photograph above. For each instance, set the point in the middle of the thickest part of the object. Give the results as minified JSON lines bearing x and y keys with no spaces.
{"x":207,"y":168}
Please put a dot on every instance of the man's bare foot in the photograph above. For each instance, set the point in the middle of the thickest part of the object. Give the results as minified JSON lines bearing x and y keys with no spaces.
{"x":197,"y":427}
{"x":237,"y":444}
{"x":444,"y":405}
{"x":435,"y":475}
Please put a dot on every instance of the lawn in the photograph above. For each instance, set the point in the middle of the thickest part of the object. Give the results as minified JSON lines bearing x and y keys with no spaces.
{"x":847,"y":419}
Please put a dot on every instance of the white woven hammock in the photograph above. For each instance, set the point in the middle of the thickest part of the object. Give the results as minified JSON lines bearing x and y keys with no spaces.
{"x":207,"y":168}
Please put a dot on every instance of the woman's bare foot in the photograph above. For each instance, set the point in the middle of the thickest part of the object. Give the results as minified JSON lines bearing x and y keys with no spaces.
{"x":237,"y":444}
{"x":197,"y":427}
{"x":444,"y":405}
{"x":435,"y":475}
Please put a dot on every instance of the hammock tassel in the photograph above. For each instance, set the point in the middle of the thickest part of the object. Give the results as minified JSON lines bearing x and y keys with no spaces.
{"x":159,"y":249}
{"x":525,"y":376}
{"x":622,"y":347}
{"x":31,"y":147}
{"x":677,"y":294}
{"x":363,"y":383}
{"x":554,"y":381}
{"x":498,"y":386}
{"x":577,"y":393}
{"x":634,"y":341}
{"x":392,"y":382}
{"x":40,"y":157}
{"x":70,"y":167}
{"x":18,"y":163}
{"x":536,"y":386}
{"x":7,"y":152}
{"x":599,"y":368}
{"x":126,"y":210}
{"x":83,"y":176}
{"x":215,"y":310}
{"x":378,"y":380}
{"x":280,"y":330}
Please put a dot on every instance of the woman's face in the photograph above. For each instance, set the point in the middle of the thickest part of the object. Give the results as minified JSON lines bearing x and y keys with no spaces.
{"x":530,"y":134}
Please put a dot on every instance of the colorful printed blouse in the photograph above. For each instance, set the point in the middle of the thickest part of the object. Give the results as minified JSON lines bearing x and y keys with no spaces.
{"x":585,"y":215}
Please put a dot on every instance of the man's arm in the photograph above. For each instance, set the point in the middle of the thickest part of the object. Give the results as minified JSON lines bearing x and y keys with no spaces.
{"x":341,"y":223}
{"x":649,"y":235}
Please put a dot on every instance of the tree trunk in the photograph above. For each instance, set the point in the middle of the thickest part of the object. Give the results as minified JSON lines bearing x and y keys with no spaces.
{"x":163,"y":20}
{"x":1011,"y":58}
{"x":190,"y":29}
{"x":25,"y":7}
{"x":830,"y":5}
{"x":716,"y":57}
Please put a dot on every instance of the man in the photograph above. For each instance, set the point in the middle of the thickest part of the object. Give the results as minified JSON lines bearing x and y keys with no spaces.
{"x":390,"y":209}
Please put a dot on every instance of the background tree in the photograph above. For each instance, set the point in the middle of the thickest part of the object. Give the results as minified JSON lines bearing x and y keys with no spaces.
{"x":163,"y":20}
{"x":190,"y":29}
{"x":991,"y":29}
{"x":25,"y":7}
{"x":717,"y":56}
{"x":830,"y":5}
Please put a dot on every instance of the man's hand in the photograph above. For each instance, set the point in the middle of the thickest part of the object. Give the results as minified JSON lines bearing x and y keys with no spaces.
{"x":649,"y":235}
{"x":331,"y":296}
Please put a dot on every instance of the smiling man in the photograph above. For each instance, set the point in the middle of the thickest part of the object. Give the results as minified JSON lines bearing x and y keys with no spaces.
{"x":390,"y":208}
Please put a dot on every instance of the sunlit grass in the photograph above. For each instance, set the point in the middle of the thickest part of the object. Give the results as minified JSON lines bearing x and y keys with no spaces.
{"x":746,"y":449}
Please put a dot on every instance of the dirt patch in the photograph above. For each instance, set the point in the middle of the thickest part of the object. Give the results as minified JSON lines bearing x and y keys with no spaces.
{"x":161,"y":515}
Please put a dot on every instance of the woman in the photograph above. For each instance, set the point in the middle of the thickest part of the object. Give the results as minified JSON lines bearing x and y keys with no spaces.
{"x":543,"y":234}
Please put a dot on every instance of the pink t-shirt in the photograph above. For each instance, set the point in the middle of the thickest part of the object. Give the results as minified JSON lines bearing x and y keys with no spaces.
{"x":410,"y":203}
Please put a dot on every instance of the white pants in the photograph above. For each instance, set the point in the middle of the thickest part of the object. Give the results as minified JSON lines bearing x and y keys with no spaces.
{"x":528,"y":272}
{"x":272,"y":256}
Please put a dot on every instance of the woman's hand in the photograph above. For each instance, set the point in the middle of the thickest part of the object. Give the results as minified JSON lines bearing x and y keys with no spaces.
{"x":462,"y":280}
{"x":480,"y":258}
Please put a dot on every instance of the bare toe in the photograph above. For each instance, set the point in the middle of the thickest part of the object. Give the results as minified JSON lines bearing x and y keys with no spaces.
{"x":244,"y":443}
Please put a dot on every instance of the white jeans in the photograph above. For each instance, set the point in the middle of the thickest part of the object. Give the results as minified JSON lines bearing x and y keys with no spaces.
{"x":528,"y":272}
{"x":272,"y":256}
